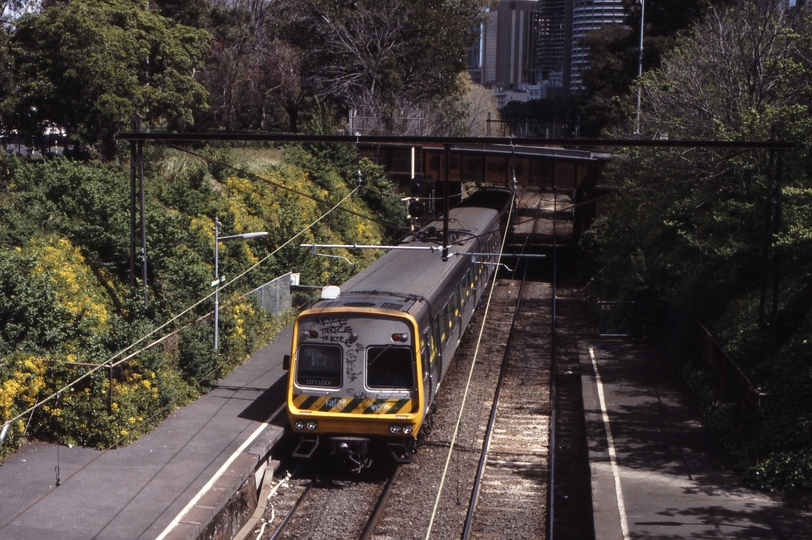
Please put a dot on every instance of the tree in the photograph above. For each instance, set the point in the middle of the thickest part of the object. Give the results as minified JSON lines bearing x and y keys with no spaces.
{"x":536,"y":115}
{"x":276,"y":77}
{"x":733,"y":76}
{"x":188,"y":12}
{"x":226,"y":72}
{"x":254,"y":77}
{"x":614,"y":57}
{"x":715,"y":226}
{"x":90,"y":65}
{"x":740,"y":74}
{"x":384,"y":58}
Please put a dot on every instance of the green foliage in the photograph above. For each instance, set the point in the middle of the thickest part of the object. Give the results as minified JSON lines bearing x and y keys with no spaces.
{"x":91,"y":64}
{"x":519,"y":115}
{"x":65,"y":299}
{"x":789,"y":472}
{"x":196,"y":357}
{"x":21,"y":381}
{"x":334,"y":168}
{"x":707,"y":225}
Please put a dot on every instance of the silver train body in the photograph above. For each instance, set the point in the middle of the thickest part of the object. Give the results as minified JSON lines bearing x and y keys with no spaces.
{"x":365,"y":367}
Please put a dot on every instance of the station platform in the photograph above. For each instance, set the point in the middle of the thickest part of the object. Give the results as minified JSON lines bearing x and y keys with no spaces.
{"x":656,"y":473}
{"x":168,"y":484}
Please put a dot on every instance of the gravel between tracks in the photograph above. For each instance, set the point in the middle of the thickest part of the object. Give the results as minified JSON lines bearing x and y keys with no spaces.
{"x":410,"y":508}
{"x":339,"y":510}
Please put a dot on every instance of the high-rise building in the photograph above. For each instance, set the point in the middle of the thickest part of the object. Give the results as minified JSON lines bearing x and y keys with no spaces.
{"x":504,"y":55}
{"x":588,"y":16}
{"x":551,"y":50}
{"x":537,"y":43}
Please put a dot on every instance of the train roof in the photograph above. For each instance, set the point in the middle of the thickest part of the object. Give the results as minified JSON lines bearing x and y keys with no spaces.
{"x":399,"y":279}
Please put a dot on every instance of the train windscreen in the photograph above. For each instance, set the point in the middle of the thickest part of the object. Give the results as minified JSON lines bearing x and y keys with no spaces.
{"x":319,"y":365}
{"x":390,"y":367}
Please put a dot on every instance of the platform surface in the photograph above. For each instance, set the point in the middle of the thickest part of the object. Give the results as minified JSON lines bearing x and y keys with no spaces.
{"x":656,"y":473}
{"x":139,"y":490}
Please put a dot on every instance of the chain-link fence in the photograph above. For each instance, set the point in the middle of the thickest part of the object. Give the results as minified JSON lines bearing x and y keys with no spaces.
{"x":769,"y":421}
{"x":274,"y":296}
{"x":639,"y":320}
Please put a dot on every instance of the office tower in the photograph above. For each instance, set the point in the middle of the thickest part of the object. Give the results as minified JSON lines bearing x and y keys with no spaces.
{"x":504,"y":55}
{"x":537,"y":44}
{"x":550,"y":43}
{"x":588,"y":16}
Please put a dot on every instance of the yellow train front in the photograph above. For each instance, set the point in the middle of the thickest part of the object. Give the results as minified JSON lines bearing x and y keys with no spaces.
{"x":367,"y":360}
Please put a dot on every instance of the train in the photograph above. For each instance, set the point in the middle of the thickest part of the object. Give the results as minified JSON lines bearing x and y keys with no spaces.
{"x":368,"y":358}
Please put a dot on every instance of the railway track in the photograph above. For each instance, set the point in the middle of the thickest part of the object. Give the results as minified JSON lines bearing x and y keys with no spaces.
{"x":499,"y":467}
{"x":513,"y":492}
{"x":509,"y":496}
{"x":318,"y":507}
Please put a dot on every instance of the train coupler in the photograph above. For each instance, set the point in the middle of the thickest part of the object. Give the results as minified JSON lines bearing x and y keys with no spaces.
{"x":353,"y":449}
{"x":306,"y":447}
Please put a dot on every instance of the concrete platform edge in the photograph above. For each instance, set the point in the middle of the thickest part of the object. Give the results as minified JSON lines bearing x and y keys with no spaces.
{"x":605,"y":516}
{"x":226,"y":507}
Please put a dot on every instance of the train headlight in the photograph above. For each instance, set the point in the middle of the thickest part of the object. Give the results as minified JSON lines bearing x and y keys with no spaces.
{"x":299,"y":424}
{"x":309,"y":334}
{"x":402,"y":338}
{"x":407,"y":430}
{"x":312,"y":425}
{"x":394,"y":429}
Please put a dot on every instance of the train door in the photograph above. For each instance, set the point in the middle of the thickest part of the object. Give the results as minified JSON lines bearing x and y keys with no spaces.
{"x":426,"y":357}
{"x":435,"y":345}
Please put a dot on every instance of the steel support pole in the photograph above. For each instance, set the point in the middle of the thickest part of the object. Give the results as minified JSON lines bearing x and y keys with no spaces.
{"x":135,"y":126}
{"x":216,"y":285}
{"x":640,"y":64}
{"x":140,"y":166}
{"x":776,"y":230}
{"x":766,"y":237}
{"x":446,"y":200}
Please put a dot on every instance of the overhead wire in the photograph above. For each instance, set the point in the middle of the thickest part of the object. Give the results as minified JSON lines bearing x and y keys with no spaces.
{"x":109,"y":361}
{"x":470,"y":376}
{"x":174,"y":401}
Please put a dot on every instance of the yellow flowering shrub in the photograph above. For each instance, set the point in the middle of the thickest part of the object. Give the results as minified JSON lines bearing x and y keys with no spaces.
{"x":19,"y":391}
{"x":77,"y":288}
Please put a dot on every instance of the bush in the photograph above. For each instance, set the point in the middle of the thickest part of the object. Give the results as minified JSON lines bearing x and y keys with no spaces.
{"x":65,"y":297}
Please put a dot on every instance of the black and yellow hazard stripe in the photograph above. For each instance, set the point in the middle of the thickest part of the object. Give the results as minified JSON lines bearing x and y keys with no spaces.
{"x":370,"y":406}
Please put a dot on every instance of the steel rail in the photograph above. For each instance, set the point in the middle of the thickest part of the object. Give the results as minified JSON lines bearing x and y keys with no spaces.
{"x":377,"y":512}
{"x":469,"y":518}
{"x":283,"y":525}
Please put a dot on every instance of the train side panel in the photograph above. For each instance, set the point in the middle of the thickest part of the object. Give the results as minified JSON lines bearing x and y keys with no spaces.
{"x":366,"y":366}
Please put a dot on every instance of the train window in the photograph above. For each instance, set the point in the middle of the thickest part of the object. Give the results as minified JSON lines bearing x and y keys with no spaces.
{"x":433,"y":339}
{"x":450,"y":318}
{"x":443,"y":325}
{"x":425,"y":353}
{"x":390,"y":367}
{"x":319,"y":365}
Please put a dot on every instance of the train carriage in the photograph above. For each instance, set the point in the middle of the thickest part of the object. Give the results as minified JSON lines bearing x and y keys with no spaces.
{"x":368,"y":359}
